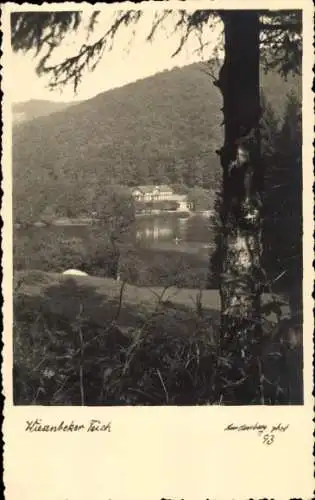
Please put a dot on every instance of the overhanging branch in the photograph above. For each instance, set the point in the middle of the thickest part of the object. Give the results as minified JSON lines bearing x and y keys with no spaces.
{"x":295,"y":27}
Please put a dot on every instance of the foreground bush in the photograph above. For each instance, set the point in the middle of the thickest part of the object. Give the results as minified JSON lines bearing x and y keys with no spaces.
{"x":168,"y":356}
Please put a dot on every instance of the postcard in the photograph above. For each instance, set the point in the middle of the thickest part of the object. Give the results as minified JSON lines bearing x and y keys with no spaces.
{"x":157,"y":250}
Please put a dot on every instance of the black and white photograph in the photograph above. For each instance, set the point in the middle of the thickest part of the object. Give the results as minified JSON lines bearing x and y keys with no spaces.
{"x":157,"y":208}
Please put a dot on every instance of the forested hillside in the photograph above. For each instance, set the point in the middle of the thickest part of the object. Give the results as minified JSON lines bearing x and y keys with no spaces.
{"x":35,"y":108}
{"x":162,"y":129}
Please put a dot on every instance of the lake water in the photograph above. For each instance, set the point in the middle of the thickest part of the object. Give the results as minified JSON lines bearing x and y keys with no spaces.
{"x":164,"y":248}
{"x":161,"y":231}
{"x":171,"y":229}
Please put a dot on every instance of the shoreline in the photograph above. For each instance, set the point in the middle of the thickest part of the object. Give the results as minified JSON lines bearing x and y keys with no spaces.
{"x":87,"y":221}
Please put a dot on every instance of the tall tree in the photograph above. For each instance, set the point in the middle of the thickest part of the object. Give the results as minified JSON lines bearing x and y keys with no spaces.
{"x":115,"y":213}
{"x":283,"y":205}
{"x":249,"y":36}
{"x":242,"y":186}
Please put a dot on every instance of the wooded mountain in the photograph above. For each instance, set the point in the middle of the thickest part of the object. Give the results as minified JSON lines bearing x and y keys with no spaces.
{"x":25,"y":111}
{"x":162,"y":129}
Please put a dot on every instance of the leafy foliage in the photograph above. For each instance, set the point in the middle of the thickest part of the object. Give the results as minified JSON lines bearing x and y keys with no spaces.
{"x":281,"y":44}
{"x":74,"y":345}
{"x":283,"y":204}
{"x":115,"y":212}
{"x":36,"y":30}
{"x":281,"y":41}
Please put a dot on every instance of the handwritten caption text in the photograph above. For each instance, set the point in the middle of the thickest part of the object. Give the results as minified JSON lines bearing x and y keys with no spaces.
{"x":93,"y":425}
{"x":268,"y":433}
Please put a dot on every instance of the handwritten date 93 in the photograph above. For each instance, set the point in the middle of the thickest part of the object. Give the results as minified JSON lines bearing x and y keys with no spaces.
{"x":268,"y":433}
{"x":93,"y":425}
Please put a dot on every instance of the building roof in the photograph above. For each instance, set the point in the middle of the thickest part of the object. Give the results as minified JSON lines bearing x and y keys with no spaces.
{"x":148,"y":188}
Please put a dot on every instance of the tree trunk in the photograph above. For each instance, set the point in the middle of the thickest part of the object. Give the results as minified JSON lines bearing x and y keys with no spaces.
{"x":240,"y":283}
{"x":114,"y":264}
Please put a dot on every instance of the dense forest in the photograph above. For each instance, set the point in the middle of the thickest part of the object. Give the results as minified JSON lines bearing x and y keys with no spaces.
{"x":162,"y":129}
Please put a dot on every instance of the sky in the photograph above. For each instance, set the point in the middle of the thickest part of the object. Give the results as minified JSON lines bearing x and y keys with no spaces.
{"x":125,"y":63}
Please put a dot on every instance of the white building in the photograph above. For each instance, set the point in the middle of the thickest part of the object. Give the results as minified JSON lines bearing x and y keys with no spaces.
{"x":161,"y":192}
{"x":152,"y":192}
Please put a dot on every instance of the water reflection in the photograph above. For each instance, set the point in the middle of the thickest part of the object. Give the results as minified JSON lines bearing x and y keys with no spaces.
{"x":172,"y":228}
{"x":154,"y":233}
{"x":193,"y":231}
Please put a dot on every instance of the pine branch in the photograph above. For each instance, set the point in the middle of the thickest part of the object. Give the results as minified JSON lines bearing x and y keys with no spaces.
{"x":293,"y":26}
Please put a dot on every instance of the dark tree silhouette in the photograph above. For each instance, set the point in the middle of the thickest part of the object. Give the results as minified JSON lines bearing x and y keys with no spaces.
{"x":283,"y":205}
{"x":115,"y":214}
{"x":249,"y":37}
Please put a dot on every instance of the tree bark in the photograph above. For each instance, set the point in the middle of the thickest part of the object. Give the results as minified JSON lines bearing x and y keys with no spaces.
{"x":240,"y":283}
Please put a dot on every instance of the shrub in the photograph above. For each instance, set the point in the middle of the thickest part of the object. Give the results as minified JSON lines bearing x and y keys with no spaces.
{"x":168,"y":356}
